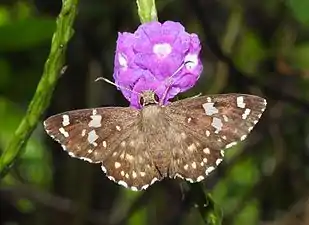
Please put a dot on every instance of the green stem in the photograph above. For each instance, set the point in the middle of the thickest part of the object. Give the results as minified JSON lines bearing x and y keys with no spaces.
{"x":147,"y":10}
{"x":41,"y":98}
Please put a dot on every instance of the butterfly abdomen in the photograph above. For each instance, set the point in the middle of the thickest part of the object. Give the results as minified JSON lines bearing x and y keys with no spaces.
{"x":155,"y":128}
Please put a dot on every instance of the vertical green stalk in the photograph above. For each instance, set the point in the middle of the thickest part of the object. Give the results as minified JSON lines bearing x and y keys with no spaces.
{"x":147,"y":10}
{"x":41,"y":98}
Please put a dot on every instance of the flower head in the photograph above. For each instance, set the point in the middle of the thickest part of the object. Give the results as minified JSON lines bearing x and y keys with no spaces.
{"x":159,"y":57}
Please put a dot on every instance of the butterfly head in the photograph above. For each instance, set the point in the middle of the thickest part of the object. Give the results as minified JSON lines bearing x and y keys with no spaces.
{"x":148,"y":97}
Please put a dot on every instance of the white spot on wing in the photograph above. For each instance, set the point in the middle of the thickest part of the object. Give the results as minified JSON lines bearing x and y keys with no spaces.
{"x":192,"y":147}
{"x":65,"y":120}
{"x":121,"y":182}
{"x":134,"y":188}
{"x":103,"y":168}
{"x":217,"y":124}
{"x":95,"y":121}
{"x":92,"y":137}
{"x":71,"y":154}
{"x":86,"y":159}
{"x":145,"y":187}
{"x":83,"y":132}
{"x":222,"y":153}
{"x":246,"y":114}
{"x":190,"y":180}
{"x":231,"y":144}
{"x":200,"y":178}
{"x":240,"y":102}
{"x":62,"y":131}
{"x":142,"y":174}
{"x":129,"y":157}
{"x":218,"y":161}
{"x":210,"y":109}
{"x":243,"y":137}
{"x":209,"y":170}
{"x":186,"y":167}
{"x":111,"y":178}
{"x":206,"y":150}
{"x":153,"y":180}
{"x":193,"y":165}
{"x":134,"y":175}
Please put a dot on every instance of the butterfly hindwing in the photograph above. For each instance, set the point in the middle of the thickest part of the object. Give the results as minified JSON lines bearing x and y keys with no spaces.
{"x":131,"y":163}
{"x":193,"y":158}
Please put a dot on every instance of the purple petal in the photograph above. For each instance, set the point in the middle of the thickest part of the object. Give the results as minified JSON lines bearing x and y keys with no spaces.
{"x":162,"y":68}
{"x":127,"y":78}
{"x":195,"y":44}
{"x":124,"y":50}
{"x":182,"y":43}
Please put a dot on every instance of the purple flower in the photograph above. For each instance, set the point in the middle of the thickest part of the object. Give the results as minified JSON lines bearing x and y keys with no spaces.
{"x":159,"y":57}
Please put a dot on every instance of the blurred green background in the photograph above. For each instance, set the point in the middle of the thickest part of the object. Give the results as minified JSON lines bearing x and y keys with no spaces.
{"x":249,"y":46}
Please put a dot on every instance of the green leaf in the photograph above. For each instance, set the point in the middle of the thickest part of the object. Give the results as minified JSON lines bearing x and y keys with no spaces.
{"x":250,"y":52}
{"x":34,"y":165}
{"x":300,"y":56}
{"x":249,"y":214}
{"x":25,"y":34}
{"x":300,"y":10}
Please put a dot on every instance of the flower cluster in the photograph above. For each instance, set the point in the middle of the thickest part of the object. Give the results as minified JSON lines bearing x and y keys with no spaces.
{"x":159,"y":57}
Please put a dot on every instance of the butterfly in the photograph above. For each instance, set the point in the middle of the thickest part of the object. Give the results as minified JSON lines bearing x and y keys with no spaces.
{"x":137,"y":147}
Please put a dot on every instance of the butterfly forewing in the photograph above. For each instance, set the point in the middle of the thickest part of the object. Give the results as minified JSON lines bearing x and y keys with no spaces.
{"x":220,"y":120}
{"x":205,"y":126}
{"x":91,"y":134}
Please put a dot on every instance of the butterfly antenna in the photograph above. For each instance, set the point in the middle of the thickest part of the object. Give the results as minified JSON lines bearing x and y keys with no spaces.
{"x":116,"y":85}
{"x":169,"y":80}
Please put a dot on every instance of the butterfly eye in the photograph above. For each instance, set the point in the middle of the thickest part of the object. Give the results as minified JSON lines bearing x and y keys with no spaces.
{"x":156,"y":97}
{"x":141,"y":101}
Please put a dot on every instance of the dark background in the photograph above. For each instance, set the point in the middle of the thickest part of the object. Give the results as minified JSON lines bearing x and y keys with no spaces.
{"x":249,"y":46}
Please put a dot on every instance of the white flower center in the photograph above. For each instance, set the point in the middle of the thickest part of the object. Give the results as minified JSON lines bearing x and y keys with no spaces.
{"x":191,"y":61}
{"x":122,"y":61}
{"x":162,"y":50}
